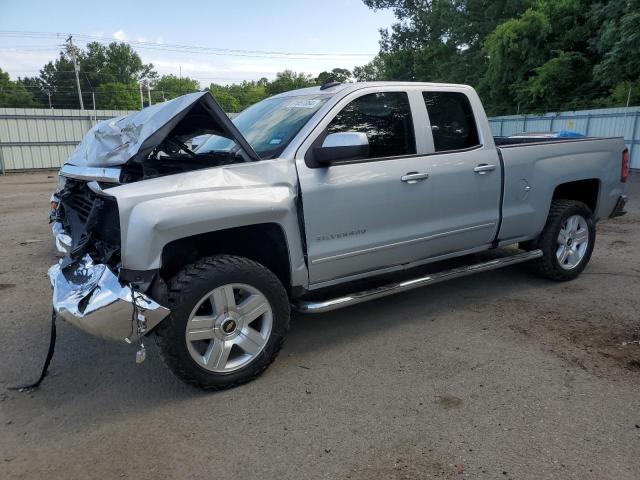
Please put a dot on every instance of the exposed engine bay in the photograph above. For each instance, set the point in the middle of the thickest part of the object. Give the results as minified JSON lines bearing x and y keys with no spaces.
{"x":148,"y":144}
{"x":173,"y":156}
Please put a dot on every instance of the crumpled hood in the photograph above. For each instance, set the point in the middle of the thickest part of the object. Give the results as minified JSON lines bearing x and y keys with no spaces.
{"x":116,"y":141}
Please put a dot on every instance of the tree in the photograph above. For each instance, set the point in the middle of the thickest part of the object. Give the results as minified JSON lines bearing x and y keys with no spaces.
{"x":341,"y":75}
{"x":543,"y":60}
{"x":121,"y":63}
{"x":227,"y":101}
{"x":289,"y":80}
{"x":14,"y":94}
{"x":437,"y":40}
{"x":117,"y":96}
{"x":535,"y":54}
{"x":616,"y":40}
{"x":552,"y":86}
{"x":34,"y":86}
{"x":374,"y":70}
{"x":99,"y":64}
{"x":171,"y":86}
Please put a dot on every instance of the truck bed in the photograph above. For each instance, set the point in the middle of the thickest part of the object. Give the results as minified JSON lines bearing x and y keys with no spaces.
{"x":533,"y":166}
{"x":529,"y":140}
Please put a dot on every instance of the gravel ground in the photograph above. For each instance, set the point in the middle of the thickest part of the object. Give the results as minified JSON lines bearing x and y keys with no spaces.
{"x":494,"y":376}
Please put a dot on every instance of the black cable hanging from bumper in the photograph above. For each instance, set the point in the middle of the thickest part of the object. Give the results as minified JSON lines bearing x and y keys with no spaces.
{"x":45,"y":367}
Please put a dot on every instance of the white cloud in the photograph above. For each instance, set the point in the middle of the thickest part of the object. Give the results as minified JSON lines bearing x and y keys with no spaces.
{"x":120,"y":36}
{"x":21,"y":63}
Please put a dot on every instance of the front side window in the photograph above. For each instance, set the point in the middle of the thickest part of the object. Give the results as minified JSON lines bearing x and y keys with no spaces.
{"x":386,"y":120}
{"x":452,"y":122}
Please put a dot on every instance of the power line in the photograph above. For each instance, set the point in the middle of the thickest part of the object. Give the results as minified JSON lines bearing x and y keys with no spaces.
{"x":189,"y":48}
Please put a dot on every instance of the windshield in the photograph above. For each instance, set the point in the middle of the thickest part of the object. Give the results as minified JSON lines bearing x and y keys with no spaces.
{"x":269,"y":125}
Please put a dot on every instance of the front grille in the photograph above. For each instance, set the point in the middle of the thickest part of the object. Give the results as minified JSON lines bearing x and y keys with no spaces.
{"x":92,"y":222}
{"x":82,"y":203}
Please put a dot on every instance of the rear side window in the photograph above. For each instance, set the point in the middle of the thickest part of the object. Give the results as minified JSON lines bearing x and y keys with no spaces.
{"x":452,"y":123}
{"x":386,"y":119}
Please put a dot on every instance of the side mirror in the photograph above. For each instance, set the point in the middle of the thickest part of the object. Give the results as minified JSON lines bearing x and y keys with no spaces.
{"x":342,"y":146}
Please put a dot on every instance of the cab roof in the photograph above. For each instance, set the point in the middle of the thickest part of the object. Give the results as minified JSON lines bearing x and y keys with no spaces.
{"x":351,"y":86}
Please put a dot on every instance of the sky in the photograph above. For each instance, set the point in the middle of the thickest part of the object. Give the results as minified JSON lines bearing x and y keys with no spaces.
{"x":314,"y":35}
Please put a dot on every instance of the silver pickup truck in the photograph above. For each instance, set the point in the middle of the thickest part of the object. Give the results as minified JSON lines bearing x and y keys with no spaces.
{"x":312,"y":200}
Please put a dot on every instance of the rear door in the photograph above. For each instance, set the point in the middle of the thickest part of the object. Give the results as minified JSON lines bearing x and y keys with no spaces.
{"x":464,"y":173}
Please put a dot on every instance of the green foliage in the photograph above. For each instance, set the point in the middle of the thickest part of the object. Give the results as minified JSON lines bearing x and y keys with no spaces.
{"x":14,"y":94}
{"x":626,"y":92}
{"x":535,"y":54}
{"x":336,"y":75}
{"x":547,"y":88}
{"x":617,"y":40}
{"x":238,"y":96}
{"x":170,"y":86}
{"x":117,"y":96}
{"x":289,"y":80}
{"x":225,"y":98}
{"x":437,"y":40}
{"x":374,"y":70}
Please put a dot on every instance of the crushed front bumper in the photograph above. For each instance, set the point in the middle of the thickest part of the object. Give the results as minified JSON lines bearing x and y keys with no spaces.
{"x":92,"y":298}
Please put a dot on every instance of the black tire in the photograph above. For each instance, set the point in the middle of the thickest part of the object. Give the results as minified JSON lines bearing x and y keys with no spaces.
{"x":188,"y":287}
{"x":548,"y":265}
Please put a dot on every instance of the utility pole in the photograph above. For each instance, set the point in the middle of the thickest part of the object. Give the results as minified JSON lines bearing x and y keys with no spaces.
{"x":141,"y":96}
{"x":48,"y":93}
{"x":93,"y":97}
{"x":71,"y":50}
{"x":95,"y":114}
{"x":149,"y":92}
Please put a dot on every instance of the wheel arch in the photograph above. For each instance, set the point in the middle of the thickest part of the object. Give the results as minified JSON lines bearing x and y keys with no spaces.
{"x":586,"y":191}
{"x":264,"y":243}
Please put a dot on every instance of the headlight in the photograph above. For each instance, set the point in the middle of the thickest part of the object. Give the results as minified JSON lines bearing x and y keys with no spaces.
{"x":55,"y":200}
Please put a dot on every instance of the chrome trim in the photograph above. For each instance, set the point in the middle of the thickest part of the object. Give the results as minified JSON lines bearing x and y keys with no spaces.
{"x":63,"y":240}
{"x":399,"y":267}
{"x":483,"y":169}
{"x":385,"y":290}
{"x":90,"y":297}
{"x":99,"y":174}
{"x":414,"y":177}
{"x":95,"y":188}
{"x":398,"y":244}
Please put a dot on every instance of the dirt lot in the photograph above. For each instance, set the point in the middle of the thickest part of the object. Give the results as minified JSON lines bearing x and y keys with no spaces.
{"x":497,"y":376}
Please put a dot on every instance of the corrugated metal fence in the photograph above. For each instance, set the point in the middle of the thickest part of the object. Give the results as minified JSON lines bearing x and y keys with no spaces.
{"x":604,"y":122}
{"x":42,"y":138}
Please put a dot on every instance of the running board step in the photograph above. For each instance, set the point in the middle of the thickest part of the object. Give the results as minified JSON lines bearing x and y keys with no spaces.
{"x":379,"y":292}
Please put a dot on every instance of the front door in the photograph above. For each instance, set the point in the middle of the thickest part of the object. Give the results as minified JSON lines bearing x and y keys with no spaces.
{"x":364,"y":215}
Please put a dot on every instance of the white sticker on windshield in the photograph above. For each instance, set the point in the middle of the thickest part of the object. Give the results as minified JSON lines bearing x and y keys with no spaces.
{"x":303,"y":103}
{"x":275,"y":141}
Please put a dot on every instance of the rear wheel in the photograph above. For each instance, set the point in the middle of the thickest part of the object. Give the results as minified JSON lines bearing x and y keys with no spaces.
{"x":229,"y":317}
{"x":566,"y":242}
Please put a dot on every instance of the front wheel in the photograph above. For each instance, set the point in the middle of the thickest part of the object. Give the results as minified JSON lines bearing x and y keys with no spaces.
{"x":229,"y":317}
{"x":566,"y":242}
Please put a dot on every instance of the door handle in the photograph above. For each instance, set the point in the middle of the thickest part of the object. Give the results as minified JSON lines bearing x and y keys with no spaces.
{"x":414,"y":177}
{"x":483,"y":168}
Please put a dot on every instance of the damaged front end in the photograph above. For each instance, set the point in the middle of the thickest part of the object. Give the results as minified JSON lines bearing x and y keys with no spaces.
{"x":86,"y":289}
{"x":90,"y":296}
{"x":92,"y":289}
